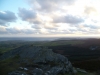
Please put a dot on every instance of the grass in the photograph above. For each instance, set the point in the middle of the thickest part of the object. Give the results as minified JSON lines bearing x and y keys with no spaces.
{"x":8,"y":65}
{"x":3,"y":50}
{"x":56,"y":43}
{"x":91,"y":65}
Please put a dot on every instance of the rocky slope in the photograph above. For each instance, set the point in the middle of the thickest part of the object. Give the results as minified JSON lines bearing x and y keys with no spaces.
{"x":39,"y":61}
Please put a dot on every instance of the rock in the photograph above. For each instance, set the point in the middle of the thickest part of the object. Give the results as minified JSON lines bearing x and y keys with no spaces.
{"x":21,"y":68}
{"x":74,"y":71}
{"x":45,"y":67}
{"x":17,"y":73}
{"x":93,"y":47}
{"x":46,"y":74}
{"x":25,"y":69}
{"x":48,"y":62}
{"x":37,"y":71}
{"x":80,"y":70}
{"x":55,"y":70}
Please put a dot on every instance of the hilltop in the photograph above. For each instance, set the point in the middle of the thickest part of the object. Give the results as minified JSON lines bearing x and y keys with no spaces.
{"x":37,"y":59}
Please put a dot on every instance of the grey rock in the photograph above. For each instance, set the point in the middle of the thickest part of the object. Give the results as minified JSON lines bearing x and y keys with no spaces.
{"x":21,"y":68}
{"x":45,"y":67}
{"x":93,"y":47}
{"x":37,"y":71}
{"x":74,"y":70}
{"x":17,"y":73}
{"x":48,"y":62}
{"x":55,"y":70}
{"x":46,"y":74}
{"x":25,"y":69}
{"x":80,"y":70}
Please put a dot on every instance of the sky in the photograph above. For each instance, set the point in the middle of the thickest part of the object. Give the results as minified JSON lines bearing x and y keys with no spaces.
{"x":49,"y":18}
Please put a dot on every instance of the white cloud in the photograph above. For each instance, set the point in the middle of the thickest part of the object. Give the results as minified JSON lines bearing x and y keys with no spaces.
{"x":49,"y":5}
{"x":56,"y":17}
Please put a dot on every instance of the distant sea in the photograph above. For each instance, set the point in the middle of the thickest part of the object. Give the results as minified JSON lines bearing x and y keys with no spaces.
{"x":28,"y":38}
{"x":40,"y":38}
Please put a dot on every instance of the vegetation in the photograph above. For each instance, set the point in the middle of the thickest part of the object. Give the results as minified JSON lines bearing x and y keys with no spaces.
{"x":89,"y":65}
{"x":9,"y":65}
{"x":77,"y":51}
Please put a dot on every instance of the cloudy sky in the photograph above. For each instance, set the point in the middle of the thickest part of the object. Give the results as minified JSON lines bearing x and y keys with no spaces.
{"x":25,"y":18}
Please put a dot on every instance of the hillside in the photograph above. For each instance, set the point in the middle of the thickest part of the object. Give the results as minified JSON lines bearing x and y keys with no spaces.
{"x":34,"y":60}
{"x":84,"y":54}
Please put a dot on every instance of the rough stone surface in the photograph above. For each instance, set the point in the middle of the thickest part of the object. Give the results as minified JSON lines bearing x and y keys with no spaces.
{"x":80,"y":70}
{"x":48,"y":62}
{"x":17,"y":73}
{"x":37,"y":71}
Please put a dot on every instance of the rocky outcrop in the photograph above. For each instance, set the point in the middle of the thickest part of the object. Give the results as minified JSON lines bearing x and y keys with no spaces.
{"x":43,"y":60}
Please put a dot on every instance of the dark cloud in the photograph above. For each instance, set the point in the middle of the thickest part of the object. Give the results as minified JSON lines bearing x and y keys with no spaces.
{"x":37,"y":22}
{"x":36,"y":26}
{"x":7,"y":16}
{"x":2,"y":22}
{"x":68,"y":19}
